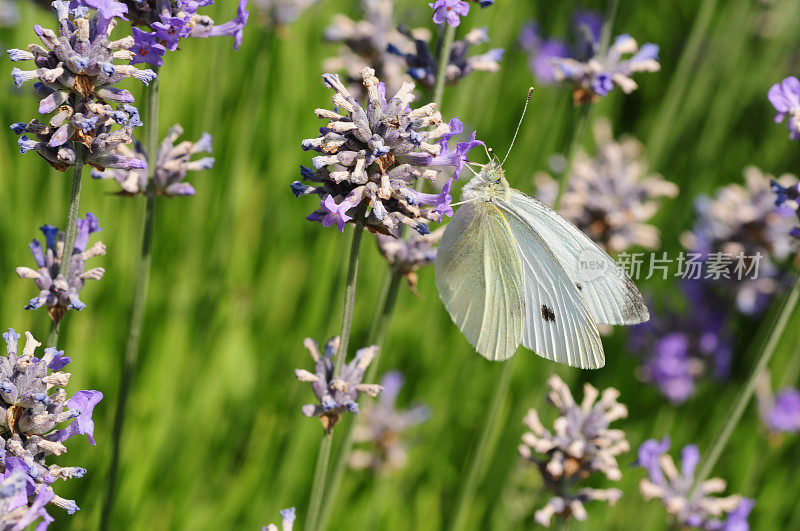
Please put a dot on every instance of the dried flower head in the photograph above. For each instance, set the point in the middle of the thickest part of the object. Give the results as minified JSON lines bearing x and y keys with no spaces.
{"x":373,"y":155}
{"x":172,"y":21}
{"x":381,"y":428}
{"x":779,"y":412}
{"x":580,"y":445}
{"x":591,"y":71}
{"x":680,"y":346}
{"x":76,"y":78}
{"x":60,"y":294}
{"x":611,"y":196}
{"x":34,"y":403}
{"x":366,"y":43}
{"x":173,"y":162}
{"x":288,"y":517}
{"x":422,"y":65}
{"x":785,"y":97}
{"x":741,"y":221}
{"x":337,"y":393}
{"x":407,"y":256}
{"x":698,"y":509}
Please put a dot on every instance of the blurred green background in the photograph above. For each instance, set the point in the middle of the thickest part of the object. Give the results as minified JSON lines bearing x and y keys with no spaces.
{"x":214,"y":437}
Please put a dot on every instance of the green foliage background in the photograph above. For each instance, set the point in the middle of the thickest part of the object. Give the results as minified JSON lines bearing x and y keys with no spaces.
{"x":215,"y":439}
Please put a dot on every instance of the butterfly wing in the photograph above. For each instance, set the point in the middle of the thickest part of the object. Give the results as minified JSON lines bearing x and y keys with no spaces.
{"x":479,"y":280}
{"x":558,"y":324}
{"x":609,"y":292}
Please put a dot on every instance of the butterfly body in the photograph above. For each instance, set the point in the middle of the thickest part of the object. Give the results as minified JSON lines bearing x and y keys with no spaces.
{"x":510,"y":270}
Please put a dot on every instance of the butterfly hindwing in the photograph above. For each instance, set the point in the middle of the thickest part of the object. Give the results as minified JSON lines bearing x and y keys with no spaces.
{"x":479,"y":280}
{"x":609,"y":292}
{"x":558,"y":324}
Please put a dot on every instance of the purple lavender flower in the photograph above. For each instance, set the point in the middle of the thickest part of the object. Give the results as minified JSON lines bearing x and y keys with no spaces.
{"x":381,"y":426}
{"x":698,"y":509}
{"x":76,"y":79}
{"x":785,"y":97}
{"x":60,"y":294}
{"x":147,"y":48}
{"x":581,"y":445}
{"x":288,"y":517}
{"x":450,"y":11}
{"x":15,"y":513}
{"x":679,"y":347}
{"x":173,"y":162}
{"x":741,"y":221}
{"x":591,"y":73}
{"x":174,"y":20}
{"x":787,"y":201}
{"x":407,"y":256}
{"x":366,"y":43}
{"x":337,"y":394}
{"x":612,"y":195}
{"x":422,"y":64}
{"x":373,"y":155}
{"x":29,"y":421}
{"x":779,"y":412}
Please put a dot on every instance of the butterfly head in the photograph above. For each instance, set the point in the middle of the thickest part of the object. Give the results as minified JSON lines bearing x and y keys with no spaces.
{"x":488,"y":185}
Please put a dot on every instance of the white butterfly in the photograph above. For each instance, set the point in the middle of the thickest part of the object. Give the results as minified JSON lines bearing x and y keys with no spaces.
{"x":511,"y":270}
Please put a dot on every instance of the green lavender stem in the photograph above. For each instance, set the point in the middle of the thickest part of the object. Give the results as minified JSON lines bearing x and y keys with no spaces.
{"x":386,"y":301}
{"x":574,"y":146}
{"x":72,"y":226}
{"x":444,"y":60}
{"x":482,"y":451}
{"x":323,"y":459}
{"x":789,"y":307}
{"x":128,"y":368}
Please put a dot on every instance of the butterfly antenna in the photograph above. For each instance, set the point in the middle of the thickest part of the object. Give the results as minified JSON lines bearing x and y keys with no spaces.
{"x":527,"y":100}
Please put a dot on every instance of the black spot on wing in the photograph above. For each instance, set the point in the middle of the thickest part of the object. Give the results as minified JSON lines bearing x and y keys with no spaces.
{"x":548,"y":315}
{"x":580,"y":287}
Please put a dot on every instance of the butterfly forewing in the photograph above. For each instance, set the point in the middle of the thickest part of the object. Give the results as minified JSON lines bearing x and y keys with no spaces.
{"x":558,"y":324}
{"x":609,"y":292}
{"x":480,"y":281}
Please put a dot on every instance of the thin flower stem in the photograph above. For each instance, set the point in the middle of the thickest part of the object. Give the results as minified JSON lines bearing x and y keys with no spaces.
{"x":482,"y":452}
{"x":574,"y":145}
{"x":789,"y":307}
{"x":320,"y":474}
{"x":377,"y":336}
{"x":128,"y":367}
{"x":318,"y":488}
{"x":72,"y":226}
{"x":444,"y":60}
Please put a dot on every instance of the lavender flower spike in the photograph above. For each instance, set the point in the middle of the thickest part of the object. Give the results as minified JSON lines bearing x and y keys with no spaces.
{"x":76,"y":78}
{"x":612,"y":195}
{"x":288,"y":517}
{"x":337,"y":394}
{"x":673,"y":487}
{"x":785,"y":97}
{"x":372,"y":156}
{"x":57,"y":293}
{"x":381,"y":427}
{"x":407,"y":256}
{"x":580,"y":445}
{"x":33,"y":403}
{"x":173,"y":163}
{"x":422,"y":63}
{"x":779,"y":412}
